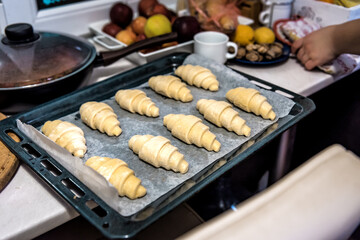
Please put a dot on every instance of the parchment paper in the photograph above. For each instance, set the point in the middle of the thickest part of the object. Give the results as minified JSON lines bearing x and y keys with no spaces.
{"x":159,"y":181}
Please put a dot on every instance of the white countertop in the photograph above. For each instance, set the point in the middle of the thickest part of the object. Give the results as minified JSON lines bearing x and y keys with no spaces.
{"x":290,"y":75}
{"x":29,"y":207}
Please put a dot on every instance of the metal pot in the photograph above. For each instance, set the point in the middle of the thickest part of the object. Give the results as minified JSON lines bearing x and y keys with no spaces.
{"x":38,"y":66}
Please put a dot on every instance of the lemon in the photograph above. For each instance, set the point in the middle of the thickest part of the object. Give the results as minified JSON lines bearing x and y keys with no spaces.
{"x":264,"y":35}
{"x":156,"y":25}
{"x":244,"y":35}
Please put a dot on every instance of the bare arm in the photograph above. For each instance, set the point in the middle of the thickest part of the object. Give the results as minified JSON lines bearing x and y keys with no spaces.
{"x":347,"y":37}
{"x":322,"y":46}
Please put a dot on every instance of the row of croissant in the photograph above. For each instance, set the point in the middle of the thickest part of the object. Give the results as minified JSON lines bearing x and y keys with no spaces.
{"x":157,"y":150}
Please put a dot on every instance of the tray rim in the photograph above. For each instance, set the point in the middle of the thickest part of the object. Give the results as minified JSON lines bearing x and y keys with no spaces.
{"x":102,"y":223}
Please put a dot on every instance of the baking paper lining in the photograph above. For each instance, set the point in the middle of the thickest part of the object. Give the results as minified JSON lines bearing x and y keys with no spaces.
{"x":159,"y":181}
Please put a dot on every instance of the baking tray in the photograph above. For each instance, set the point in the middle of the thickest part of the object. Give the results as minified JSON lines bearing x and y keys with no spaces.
{"x":102,"y":216}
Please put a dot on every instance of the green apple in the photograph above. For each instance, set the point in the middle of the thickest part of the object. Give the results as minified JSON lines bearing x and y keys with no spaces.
{"x":156,"y":25}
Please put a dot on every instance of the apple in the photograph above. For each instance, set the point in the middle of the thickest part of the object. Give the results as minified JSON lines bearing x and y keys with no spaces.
{"x":111,"y":28}
{"x":121,"y":14}
{"x":186,"y":27}
{"x":156,"y":25}
{"x":146,"y":7}
{"x":161,"y":9}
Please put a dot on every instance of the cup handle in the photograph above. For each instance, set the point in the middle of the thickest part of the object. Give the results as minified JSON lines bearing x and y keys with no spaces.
{"x":264,"y":17}
{"x":232,"y":55}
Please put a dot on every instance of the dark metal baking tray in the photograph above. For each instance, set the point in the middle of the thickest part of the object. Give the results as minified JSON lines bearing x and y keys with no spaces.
{"x":107,"y":220}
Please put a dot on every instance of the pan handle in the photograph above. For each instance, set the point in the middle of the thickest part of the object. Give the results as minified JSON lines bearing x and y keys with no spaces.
{"x":109,"y":57}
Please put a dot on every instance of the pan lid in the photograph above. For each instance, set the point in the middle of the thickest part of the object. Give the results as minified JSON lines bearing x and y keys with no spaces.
{"x":29,"y":58}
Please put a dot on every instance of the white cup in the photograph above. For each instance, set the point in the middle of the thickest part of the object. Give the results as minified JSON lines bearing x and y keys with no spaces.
{"x":275,"y":10}
{"x":214,"y":45}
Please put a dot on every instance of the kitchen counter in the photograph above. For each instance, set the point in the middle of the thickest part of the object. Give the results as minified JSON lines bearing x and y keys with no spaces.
{"x":29,"y":207}
{"x":291,"y":75}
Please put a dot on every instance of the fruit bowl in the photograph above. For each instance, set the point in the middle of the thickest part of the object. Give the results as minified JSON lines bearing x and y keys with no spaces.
{"x":111,"y":43}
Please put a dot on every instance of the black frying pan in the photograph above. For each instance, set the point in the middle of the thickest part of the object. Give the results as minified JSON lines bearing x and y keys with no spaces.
{"x":20,"y":98}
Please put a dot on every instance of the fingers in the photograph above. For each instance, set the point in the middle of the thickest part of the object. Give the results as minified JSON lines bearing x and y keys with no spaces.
{"x":296,"y":45}
{"x":298,"y":48}
{"x":310,"y":64}
{"x":302,"y":56}
{"x":305,"y":59}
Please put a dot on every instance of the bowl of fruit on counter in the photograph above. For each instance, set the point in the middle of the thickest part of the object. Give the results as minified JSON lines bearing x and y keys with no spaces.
{"x":125,"y":27}
{"x":259,"y":46}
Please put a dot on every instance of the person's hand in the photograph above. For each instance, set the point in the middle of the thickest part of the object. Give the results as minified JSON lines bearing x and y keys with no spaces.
{"x":316,"y":48}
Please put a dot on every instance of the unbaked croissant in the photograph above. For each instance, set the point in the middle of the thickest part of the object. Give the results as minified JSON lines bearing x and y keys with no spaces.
{"x":222,"y":114}
{"x":66,"y":135}
{"x":119,"y":175}
{"x":198,"y":76}
{"x":135,"y":100}
{"x":250,"y":100}
{"x":100,"y":116}
{"x":191,"y":130}
{"x":171,"y":87}
{"x":158,"y":152}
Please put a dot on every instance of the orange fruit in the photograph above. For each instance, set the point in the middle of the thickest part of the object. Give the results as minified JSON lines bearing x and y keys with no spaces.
{"x":138,"y":24}
{"x":264,"y":35}
{"x":244,"y":35}
{"x":126,"y":36}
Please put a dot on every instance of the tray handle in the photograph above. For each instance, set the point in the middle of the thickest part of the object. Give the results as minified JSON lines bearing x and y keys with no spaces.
{"x":108,"y":43}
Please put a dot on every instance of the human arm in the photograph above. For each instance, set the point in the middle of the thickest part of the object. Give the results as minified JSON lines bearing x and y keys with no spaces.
{"x":323,"y":45}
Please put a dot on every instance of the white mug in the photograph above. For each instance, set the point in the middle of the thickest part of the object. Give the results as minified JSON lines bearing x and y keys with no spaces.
{"x":214,"y":45}
{"x":275,"y":10}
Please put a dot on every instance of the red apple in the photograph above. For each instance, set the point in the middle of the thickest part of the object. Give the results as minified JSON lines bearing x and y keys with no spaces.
{"x":161,"y":9}
{"x":146,"y":7}
{"x":121,"y":14}
{"x":111,"y":28}
{"x":186,"y":27}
